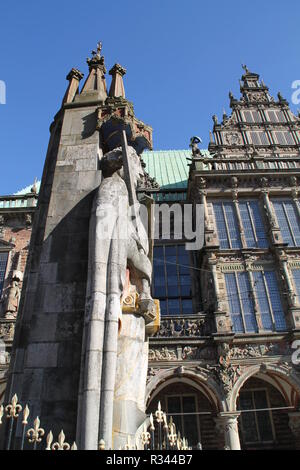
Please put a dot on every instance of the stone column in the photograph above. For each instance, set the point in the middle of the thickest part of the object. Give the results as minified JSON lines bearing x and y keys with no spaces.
{"x":221,"y":315}
{"x":228,"y":421}
{"x":255,"y":301}
{"x":200,"y":197}
{"x":275,"y":231}
{"x":295,"y":199}
{"x":238,"y":215}
{"x":203,"y":201}
{"x":294,"y":424}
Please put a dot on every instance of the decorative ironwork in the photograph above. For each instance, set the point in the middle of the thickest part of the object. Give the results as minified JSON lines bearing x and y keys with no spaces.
{"x":157,"y":433}
{"x":36,"y":433}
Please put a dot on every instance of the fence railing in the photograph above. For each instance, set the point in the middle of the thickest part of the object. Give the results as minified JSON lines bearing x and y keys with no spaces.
{"x":157,"y":432}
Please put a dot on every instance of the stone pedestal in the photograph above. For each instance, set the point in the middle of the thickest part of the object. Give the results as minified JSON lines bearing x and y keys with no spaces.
{"x":130,"y":387}
{"x":228,"y":422}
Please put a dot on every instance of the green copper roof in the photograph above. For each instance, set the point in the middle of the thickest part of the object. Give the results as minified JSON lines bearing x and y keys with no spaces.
{"x":169,"y":167}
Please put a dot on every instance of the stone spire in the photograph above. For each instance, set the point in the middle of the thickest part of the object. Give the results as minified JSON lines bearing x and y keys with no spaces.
{"x":117,"y":89}
{"x":95,"y":85}
{"x":74,"y":77}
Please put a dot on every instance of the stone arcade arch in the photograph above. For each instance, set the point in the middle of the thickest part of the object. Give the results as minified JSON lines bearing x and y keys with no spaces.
{"x":185,"y":383}
{"x":281,"y":376}
{"x":282,"y":388}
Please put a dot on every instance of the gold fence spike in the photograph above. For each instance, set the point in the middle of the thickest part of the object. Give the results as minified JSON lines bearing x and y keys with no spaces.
{"x":14,"y":408}
{"x":74,"y":446}
{"x":151,"y":423}
{"x":101,"y":444}
{"x":159,"y":413}
{"x":49,"y":440}
{"x":165,"y":421}
{"x":25,"y":415}
{"x":1,"y":413}
{"x":36,"y":433}
{"x":61,"y":444}
{"x":145,"y":436}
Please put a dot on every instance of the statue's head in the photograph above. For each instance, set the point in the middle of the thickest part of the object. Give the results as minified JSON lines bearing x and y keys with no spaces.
{"x":112,"y":162}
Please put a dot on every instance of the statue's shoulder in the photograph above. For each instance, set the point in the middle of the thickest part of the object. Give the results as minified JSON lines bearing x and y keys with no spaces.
{"x":111,"y":188}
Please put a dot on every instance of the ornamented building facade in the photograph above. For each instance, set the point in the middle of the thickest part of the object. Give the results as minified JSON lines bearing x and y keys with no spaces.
{"x":227,"y":355}
{"x":220,"y":363}
{"x":16,"y":216}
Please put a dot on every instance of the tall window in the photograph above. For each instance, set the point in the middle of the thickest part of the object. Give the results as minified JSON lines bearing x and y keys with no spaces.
{"x":3,"y":263}
{"x":256,"y":426}
{"x":275,"y":116}
{"x":284,"y":138}
{"x":288,"y":221}
{"x":241,"y":301}
{"x":227,"y":225}
{"x":172,"y":279}
{"x":267,"y":292}
{"x":259,"y":138}
{"x":182,"y":408}
{"x":252,"y":116}
{"x":253,"y":224}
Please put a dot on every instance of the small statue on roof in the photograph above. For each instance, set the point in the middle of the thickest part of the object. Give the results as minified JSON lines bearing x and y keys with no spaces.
{"x":97,"y":53}
{"x":194,"y":141}
{"x":245,"y":68}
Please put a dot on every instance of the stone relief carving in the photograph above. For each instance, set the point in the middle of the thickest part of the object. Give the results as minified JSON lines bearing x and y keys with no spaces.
{"x":257,"y":96}
{"x":174,"y":328}
{"x":226,"y":373}
{"x":7,"y":331}
{"x":253,"y":350}
{"x":233,"y":138}
{"x":182,"y":353}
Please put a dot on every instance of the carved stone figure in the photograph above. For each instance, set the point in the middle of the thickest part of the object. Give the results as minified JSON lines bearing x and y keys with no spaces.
{"x":114,"y":355}
{"x":11,"y":302}
{"x":194,"y":141}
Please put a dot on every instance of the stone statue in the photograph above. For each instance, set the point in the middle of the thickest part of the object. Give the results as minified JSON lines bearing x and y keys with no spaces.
{"x":11,"y":302}
{"x":194,"y":141}
{"x":114,"y":354}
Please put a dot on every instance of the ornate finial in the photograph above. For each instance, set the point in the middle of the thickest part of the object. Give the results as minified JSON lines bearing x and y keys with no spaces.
{"x":245,"y":68}
{"x":49,"y":440}
{"x":159,"y":413}
{"x":215,"y":119}
{"x":97,"y":53}
{"x":117,"y":68}
{"x":74,"y":73}
{"x":25,"y":415}
{"x":34,"y":187}
{"x":61,"y":444}
{"x":13,"y":408}
{"x":36,"y":433}
{"x":96,"y":59}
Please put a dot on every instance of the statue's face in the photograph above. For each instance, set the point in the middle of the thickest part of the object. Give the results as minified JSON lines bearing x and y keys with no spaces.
{"x":135,"y":166}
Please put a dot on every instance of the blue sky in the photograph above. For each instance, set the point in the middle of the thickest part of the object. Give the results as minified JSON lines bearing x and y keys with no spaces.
{"x":182,"y":58}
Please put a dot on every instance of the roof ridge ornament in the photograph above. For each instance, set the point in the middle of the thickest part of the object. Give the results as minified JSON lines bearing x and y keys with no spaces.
{"x":97,"y":58}
{"x":245,"y":68}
